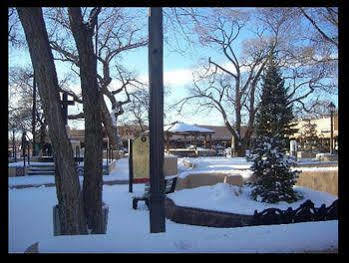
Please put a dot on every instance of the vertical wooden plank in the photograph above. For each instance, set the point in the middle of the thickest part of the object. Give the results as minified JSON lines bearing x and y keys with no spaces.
{"x":130,"y":166}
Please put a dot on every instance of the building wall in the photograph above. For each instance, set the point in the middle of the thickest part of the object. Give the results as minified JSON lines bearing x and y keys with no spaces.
{"x":323,"y":126}
{"x":325,"y":181}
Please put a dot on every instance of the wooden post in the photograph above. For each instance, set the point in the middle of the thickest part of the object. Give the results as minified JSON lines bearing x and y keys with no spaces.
{"x":331,"y":139}
{"x":28,"y":154}
{"x":168,"y":142}
{"x":65,"y":102}
{"x":23,"y":147}
{"x":156,"y":126}
{"x":130,"y":166}
{"x":14,"y":153}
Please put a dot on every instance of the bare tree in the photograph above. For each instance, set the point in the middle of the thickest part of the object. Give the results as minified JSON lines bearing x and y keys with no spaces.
{"x":93,"y":182}
{"x":324,"y":21}
{"x":15,"y":37}
{"x":309,"y":61}
{"x":67,"y":182}
{"x":227,"y":87}
{"x":21,"y":106}
{"x":115,"y":33}
{"x":231,"y":87}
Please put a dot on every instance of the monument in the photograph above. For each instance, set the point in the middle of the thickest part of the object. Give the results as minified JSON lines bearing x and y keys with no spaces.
{"x":140,"y":160}
{"x":293,"y":148}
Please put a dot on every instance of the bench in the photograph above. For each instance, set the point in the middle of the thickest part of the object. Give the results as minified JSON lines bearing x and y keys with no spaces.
{"x":170,"y":185}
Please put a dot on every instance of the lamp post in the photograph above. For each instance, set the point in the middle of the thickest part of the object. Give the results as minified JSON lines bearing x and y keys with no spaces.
{"x":332,"y":108}
{"x":14,"y":154}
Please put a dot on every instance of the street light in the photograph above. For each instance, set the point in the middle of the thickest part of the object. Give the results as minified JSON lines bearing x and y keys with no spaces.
{"x":332,"y":108}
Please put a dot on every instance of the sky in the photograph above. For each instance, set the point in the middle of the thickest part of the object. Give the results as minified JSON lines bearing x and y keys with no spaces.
{"x":178,"y":68}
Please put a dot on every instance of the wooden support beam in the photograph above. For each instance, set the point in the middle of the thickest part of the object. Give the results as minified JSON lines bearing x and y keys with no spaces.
{"x":156,"y":126}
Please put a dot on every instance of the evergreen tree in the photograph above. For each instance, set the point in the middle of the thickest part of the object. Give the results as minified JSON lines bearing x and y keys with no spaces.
{"x":273,"y":179}
{"x":309,"y":137}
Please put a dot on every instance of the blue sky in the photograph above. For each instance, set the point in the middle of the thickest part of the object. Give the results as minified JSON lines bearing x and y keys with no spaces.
{"x":177,"y":73}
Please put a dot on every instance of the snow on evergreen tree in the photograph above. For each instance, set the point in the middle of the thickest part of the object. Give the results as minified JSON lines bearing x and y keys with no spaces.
{"x":273,"y":178}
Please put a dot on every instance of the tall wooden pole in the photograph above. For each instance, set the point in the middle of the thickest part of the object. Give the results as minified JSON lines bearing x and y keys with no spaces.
{"x":331,"y":139}
{"x":156,"y":126}
{"x":14,"y":152}
{"x":130,"y":166}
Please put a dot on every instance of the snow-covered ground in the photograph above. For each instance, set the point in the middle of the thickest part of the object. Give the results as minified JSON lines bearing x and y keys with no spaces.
{"x":225,"y":197}
{"x":128,"y":229}
{"x":119,"y":173}
{"x":21,"y":163}
{"x":30,"y":219}
{"x":203,"y":164}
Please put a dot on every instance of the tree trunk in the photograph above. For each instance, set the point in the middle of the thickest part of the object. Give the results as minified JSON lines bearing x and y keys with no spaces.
{"x":66,"y":178}
{"x":237,"y":146}
{"x":42,"y":136}
{"x":34,"y":116}
{"x":108,"y":125}
{"x":239,"y":149}
{"x":93,"y":181}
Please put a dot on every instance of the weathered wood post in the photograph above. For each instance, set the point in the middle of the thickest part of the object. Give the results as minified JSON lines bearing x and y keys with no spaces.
{"x":156,"y":126}
{"x":65,"y":103}
{"x":130,"y":166}
{"x":23,"y":146}
{"x":14,"y":150}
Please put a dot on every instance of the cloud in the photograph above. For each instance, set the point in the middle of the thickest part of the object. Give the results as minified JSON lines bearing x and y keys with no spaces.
{"x":177,"y":77}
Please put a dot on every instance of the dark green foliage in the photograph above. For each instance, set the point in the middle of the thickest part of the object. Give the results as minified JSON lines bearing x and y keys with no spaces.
{"x":275,"y":114}
{"x":273,"y":178}
{"x":309,"y":139}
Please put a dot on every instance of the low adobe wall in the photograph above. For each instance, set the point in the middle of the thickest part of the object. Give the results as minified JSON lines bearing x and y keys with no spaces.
{"x":17,"y":171}
{"x":201,"y":179}
{"x":204,"y":217}
{"x":325,"y":181}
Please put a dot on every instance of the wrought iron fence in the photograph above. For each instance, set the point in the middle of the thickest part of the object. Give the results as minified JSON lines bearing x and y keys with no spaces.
{"x":304,"y":213}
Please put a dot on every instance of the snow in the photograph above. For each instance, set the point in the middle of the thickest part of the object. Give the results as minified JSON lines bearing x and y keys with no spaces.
{"x":21,"y":164}
{"x":120,"y":173}
{"x":203,"y":164}
{"x":184,"y":127}
{"x":128,"y":229}
{"x":215,"y":165}
{"x":316,"y":169}
{"x":222,"y":197}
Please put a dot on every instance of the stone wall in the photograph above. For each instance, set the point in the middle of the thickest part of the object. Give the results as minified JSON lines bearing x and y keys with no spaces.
{"x":12,"y":171}
{"x":325,"y":181}
{"x":204,"y":217}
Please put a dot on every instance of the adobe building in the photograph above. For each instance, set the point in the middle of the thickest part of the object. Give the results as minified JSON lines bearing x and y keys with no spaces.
{"x":221,"y":135}
{"x":76,"y":138}
{"x":323,"y":131}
